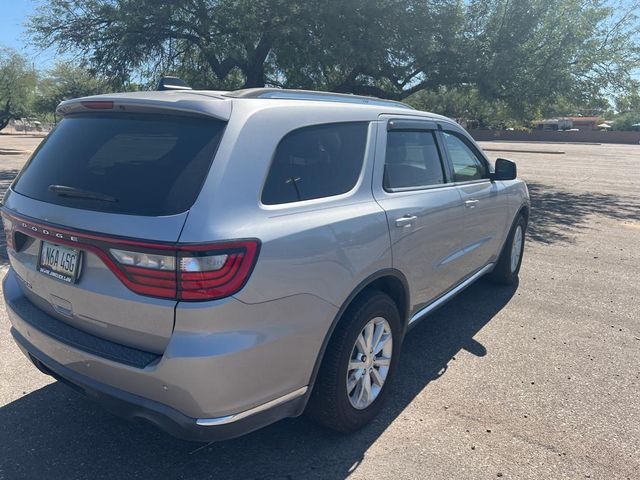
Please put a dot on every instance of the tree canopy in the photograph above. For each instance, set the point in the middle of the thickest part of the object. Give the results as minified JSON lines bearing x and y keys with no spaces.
{"x":64,"y":81}
{"x":17,"y":85}
{"x":521,"y":53}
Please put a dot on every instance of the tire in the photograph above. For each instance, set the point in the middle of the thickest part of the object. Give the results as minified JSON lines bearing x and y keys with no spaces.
{"x":331,"y":404}
{"x":507,"y":268}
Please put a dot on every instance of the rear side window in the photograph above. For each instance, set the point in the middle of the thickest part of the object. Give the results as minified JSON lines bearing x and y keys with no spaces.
{"x":138,"y":164}
{"x":412,"y":160}
{"x":314,"y":162}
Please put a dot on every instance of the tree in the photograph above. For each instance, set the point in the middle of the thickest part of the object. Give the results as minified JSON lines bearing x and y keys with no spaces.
{"x":17,"y":86}
{"x":522,"y":53}
{"x":533,"y":52}
{"x":629,"y":99}
{"x":464,"y":103}
{"x":626,"y":121}
{"x":387,"y":47}
{"x":67,"y":80}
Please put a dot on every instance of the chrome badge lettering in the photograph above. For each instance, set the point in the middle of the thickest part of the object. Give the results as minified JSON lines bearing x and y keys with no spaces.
{"x":47,"y":232}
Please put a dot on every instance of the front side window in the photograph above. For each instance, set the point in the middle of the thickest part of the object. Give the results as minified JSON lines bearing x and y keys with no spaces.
{"x":412,"y":160}
{"x":315,"y":162}
{"x":467,"y":165}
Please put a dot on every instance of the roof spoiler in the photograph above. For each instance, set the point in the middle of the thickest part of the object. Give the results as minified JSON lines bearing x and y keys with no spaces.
{"x":172,"y":83}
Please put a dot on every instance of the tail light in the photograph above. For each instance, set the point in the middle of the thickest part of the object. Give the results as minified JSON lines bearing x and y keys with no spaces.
{"x":8,"y":232}
{"x":198,"y":272}
{"x":191,"y":272}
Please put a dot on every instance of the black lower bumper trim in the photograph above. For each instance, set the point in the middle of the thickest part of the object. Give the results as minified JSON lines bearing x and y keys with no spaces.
{"x":134,"y":407}
{"x":70,"y":335}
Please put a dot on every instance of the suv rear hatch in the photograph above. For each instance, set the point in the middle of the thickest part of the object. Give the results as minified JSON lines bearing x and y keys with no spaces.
{"x":93,"y":218}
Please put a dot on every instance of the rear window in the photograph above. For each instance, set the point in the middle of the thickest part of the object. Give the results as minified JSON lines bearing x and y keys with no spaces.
{"x":314,"y":162}
{"x":133,"y":164}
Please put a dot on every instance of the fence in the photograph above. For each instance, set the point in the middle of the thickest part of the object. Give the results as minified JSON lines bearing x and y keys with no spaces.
{"x":585,"y":136}
{"x":28,"y":126}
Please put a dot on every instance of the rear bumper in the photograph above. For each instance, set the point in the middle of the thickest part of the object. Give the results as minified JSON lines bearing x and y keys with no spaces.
{"x":197,"y":390}
{"x":134,"y":407}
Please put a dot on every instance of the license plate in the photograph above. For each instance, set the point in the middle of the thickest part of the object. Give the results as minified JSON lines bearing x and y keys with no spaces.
{"x":60,"y":262}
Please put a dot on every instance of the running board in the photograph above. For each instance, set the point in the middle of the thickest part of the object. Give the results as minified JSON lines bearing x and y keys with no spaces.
{"x":450,"y":294}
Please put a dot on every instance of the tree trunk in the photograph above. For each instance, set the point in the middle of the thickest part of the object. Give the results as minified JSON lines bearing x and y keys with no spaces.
{"x":255,"y":77}
{"x":5,"y":115}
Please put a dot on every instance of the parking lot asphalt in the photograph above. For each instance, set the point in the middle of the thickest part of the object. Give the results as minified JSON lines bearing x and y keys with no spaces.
{"x":536,"y":381}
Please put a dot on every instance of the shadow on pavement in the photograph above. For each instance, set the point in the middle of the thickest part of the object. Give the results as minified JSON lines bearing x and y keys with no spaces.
{"x":557,"y":214}
{"x":56,"y":433}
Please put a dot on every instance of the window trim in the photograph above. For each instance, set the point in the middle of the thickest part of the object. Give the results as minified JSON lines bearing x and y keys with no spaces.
{"x":417,"y":126}
{"x":312,"y":201}
{"x":477,"y":153}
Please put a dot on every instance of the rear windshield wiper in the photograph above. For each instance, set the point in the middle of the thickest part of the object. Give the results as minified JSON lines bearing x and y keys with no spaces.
{"x":73,"y":192}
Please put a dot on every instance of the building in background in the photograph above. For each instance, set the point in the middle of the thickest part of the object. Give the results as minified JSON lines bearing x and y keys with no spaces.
{"x":569,"y":123}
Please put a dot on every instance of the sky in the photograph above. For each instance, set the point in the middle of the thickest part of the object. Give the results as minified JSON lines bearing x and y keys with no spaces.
{"x":12,"y":31}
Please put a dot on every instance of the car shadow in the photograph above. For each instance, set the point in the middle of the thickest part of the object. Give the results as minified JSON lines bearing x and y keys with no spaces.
{"x":557,"y":215}
{"x":58,"y":433}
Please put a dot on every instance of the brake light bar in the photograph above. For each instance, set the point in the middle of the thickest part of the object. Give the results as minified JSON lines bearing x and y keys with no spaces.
{"x":98,"y":104}
{"x":188,"y":272}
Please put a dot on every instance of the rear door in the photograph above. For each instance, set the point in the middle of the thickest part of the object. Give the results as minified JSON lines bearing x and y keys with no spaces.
{"x":99,"y":177}
{"x":484,"y":201}
{"x":424,"y":209}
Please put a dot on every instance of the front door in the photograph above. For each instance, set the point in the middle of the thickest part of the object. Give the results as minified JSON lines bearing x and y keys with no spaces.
{"x":484,"y":201}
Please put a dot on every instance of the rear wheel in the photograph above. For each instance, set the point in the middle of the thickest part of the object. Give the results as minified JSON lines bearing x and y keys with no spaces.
{"x":359,"y":364}
{"x":508,"y":266}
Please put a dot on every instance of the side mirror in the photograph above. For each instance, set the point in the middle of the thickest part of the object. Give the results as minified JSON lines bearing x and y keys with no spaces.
{"x":505,"y":170}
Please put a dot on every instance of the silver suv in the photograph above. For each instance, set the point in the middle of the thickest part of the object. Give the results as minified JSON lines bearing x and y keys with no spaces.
{"x":212,"y":262}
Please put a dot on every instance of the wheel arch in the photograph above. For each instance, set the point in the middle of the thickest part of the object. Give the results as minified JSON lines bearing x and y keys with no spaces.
{"x":525,"y":211}
{"x":390,"y":281}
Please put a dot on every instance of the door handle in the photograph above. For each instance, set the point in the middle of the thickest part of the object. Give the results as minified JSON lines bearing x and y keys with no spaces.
{"x":405,"y":221}
{"x":470,"y":203}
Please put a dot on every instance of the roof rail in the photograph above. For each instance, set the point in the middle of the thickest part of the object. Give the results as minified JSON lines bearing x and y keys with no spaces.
{"x":280,"y":93}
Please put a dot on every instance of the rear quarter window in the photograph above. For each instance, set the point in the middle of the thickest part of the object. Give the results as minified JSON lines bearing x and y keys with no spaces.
{"x":148,"y":165}
{"x":315,"y":162}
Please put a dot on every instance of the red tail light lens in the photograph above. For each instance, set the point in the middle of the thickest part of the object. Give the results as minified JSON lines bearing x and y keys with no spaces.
{"x":215,"y":272}
{"x":200,"y":272}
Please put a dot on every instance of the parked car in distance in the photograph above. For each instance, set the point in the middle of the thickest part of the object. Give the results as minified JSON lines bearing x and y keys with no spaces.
{"x":212,"y":262}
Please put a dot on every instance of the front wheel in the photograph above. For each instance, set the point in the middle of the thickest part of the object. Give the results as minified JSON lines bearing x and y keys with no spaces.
{"x":359,"y":363}
{"x":508,"y":266}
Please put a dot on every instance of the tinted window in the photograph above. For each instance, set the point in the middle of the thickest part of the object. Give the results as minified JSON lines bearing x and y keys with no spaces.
{"x":466,"y":163}
{"x":412,"y":160}
{"x":148,"y":165}
{"x":315,"y":162}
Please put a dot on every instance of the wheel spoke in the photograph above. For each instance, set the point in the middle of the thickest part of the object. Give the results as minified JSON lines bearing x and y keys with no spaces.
{"x":377,"y":335}
{"x":356,"y":365}
{"x":368,"y":336}
{"x":382,"y":362}
{"x":381,"y":343}
{"x":361,"y":390}
{"x":352,"y":382}
{"x":361,"y":344}
{"x":366,"y":387}
{"x":377,"y":378}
